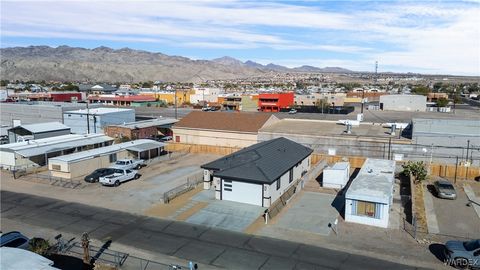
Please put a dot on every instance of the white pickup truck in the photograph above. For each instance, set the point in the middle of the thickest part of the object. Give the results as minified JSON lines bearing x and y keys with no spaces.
{"x":119,"y":176}
{"x":128,"y":164}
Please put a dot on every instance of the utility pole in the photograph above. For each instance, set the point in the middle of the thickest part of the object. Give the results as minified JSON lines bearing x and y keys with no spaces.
{"x":456,"y":167}
{"x":468,"y":148}
{"x":88,"y":114}
{"x":363,"y":99}
{"x":176,"y":103}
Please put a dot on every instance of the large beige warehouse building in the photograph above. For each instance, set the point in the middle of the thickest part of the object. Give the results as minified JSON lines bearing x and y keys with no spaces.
{"x":232,"y":129}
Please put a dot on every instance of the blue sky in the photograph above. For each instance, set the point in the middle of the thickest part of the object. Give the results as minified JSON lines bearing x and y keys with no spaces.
{"x":436,"y":37}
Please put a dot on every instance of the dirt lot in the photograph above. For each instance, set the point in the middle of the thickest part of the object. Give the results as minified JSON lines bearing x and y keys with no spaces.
{"x":135,"y":196}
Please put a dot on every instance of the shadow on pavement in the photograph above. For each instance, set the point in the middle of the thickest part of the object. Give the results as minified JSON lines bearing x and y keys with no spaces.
{"x":437,"y":250}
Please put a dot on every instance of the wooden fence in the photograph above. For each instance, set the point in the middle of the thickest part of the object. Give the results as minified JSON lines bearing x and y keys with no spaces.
{"x":442,"y":170}
{"x":450,"y":170}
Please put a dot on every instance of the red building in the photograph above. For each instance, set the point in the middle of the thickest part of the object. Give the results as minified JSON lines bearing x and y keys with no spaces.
{"x":66,"y":97}
{"x":121,"y":100}
{"x":273,"y":102}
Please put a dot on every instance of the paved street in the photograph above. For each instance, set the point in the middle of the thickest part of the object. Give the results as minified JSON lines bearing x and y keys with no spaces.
{"x":183,"y":240}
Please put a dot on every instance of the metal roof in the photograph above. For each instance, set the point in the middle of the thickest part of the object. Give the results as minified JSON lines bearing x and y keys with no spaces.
{"x":42,"y":146}
{"x":43,"y":127}
{"x":261,"y":163}
{"x":98,"y":111}
{"x":149,"y":123}
{"x":137,"y":145}
{"x":374,"y":182}
{"x":445,"y":127}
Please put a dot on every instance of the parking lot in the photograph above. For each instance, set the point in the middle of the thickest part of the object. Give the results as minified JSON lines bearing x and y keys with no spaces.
{"x":135,"y":196}
{"x":454,"y":217}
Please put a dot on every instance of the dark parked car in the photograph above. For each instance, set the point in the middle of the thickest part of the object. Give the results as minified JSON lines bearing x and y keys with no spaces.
{"x":95,"y":176}
{"x":445,"y":190}
{"x":463,"y":254}
{"x":14,"y":240}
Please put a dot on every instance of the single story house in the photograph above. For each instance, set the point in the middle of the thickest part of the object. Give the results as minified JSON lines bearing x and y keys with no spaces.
{"x":232,"y":129}
{"x":37,"y":131}
{"x":83,"y":163}
{"x":34,"y":153}
{"x":370,"y":195}
{"x":258,"y":174}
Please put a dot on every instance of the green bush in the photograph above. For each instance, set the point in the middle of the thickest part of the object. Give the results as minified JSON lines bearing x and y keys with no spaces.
{"x":416,"y":169}
{"x":39,"y":246}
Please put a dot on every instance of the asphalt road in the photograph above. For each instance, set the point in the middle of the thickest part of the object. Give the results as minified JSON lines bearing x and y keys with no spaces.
{"x":183,"y":240}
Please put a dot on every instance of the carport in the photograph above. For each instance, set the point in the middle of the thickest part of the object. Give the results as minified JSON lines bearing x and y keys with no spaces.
{"x":147,"y":151}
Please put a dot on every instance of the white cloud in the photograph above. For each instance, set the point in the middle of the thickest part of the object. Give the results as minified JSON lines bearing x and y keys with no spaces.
{"x":434,"y":36}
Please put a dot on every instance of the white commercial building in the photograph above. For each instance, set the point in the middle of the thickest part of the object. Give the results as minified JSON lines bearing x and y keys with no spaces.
{"x":336,"y":176}
{"x":370,"y":195}
{"x":34,"y":153}
{"x":205,"y":94}
{"x":97,"y":119}
{"x":258,"y":174}
{"x":414,"y":103}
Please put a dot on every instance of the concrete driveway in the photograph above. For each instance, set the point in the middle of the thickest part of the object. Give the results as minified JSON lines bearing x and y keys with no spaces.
{"x":312,"y":212}
{"x":455,"y":218}
{"x":226,"y":215}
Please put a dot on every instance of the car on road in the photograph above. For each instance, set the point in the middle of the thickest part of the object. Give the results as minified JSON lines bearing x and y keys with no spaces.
{"x":445,"y":190}
{"x":463,"y":254}
{"x":119,"y":176}
{"x":95,"y":175}
{"x":14,"y":239}
{"x":128,"y":164}
{"x":292,"y":111}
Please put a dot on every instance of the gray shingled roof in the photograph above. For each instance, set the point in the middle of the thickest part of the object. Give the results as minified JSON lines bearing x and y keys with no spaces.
{"x":261,"y":163}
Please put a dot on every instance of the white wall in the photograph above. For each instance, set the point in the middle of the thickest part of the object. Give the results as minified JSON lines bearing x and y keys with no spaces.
{"x":382,"y":222}
{"x":216,"y":138}
{"x":7,"y":159}
{"x":78,"y":122}
{"x":271,"y":190}
{"x":404,"y":103}
{"x":242,"y":192}
{"x":335,"y":178}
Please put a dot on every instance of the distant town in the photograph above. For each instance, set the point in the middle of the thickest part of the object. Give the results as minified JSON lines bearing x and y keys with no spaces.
{"x":292,"y":169}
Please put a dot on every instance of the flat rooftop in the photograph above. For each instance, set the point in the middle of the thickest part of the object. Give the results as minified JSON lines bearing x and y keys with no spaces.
{"x":327,"y":128}
{"x":148,"y":123}
{"x":99,"y":111}
{"x":43,"y":127}
{"x":374,"y":182}
{"x":53,"y":144}
{"x":339,"y":166}
{"x":142,"y":145}
{"x":446,"y":127}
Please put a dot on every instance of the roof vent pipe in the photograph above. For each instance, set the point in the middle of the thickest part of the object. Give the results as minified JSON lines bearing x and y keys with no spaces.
{"x":349,"y":128}
{"x":392,"y":129}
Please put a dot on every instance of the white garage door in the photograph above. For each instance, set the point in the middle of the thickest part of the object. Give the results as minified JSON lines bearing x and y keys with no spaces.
{"x":242,"y":192}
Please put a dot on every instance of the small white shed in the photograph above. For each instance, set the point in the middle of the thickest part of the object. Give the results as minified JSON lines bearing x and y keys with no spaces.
{"x":336,"y":176}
